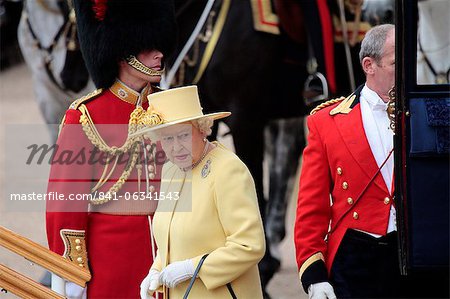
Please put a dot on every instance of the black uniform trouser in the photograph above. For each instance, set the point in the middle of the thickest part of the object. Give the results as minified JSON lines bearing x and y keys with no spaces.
{"x":366,"y":267}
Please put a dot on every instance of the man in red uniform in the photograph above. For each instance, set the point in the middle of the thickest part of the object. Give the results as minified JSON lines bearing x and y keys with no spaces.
{"x":105,"y":175}
{"x":345,"y":230}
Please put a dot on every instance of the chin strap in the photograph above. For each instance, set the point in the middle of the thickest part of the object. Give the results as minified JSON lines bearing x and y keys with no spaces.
{"x":140,"y":67}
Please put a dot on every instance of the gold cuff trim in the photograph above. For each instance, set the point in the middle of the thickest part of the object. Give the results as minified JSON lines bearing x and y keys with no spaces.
{"x":75,"y":246}
{"x":313,"y":258}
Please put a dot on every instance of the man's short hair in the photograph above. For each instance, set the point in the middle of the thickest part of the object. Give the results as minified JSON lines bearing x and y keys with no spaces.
{"x":373,"y":43}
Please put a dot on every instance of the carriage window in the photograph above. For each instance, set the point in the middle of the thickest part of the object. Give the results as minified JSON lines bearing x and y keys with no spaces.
{"x":433,"y":42}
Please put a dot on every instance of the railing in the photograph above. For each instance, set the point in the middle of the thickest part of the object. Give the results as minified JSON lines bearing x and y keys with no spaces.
{"x":25,"y":287}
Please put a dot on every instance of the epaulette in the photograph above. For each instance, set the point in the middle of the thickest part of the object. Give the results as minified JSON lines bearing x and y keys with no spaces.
{"x":75,"y":104}
{"x":326,"y":104}
{"x":345,"y":106}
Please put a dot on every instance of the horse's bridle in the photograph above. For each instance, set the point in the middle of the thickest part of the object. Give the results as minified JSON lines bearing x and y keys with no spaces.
{"x":441,"y":78}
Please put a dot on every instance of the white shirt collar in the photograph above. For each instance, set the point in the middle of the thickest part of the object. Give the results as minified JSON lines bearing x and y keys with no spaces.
{"x":373,"y":99}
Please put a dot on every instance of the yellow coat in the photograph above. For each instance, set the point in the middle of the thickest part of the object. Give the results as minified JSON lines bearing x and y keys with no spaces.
{"x":217,"y":214}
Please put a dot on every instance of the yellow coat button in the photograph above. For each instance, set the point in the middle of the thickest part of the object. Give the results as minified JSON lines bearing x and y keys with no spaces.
{"x":80,"y":259}
{"x":151,"y":175}
{"x":151,"y":188}
{"x":77,"y":241}
{"x":355,"y":215}
{"x":81,"y":265}
{"x":345,"y":185}
{"x":339,"y":171}
{"x":387,"y":200}
{"x":350,"y":201}
{"x":78,"y":248}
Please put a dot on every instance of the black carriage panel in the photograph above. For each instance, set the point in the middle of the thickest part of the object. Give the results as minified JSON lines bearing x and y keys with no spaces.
{"x":422,"y":182}
{"x":427,"y":182}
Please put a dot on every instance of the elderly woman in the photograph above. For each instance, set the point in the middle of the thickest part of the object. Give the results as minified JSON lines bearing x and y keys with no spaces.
{"x":207,"y":206}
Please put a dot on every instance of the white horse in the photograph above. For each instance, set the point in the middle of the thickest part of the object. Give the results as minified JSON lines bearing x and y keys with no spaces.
{"x":40,"y":22}
{"x":433,"y":42}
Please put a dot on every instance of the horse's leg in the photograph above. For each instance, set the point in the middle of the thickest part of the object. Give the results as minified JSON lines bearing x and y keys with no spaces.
{"x":284,"y":144}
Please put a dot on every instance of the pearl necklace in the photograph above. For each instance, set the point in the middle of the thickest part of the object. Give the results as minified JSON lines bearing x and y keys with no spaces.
{"x":205,"y":151}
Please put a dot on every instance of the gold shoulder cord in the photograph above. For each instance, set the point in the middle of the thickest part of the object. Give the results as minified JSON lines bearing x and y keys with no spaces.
{"x":139,"y":118}
{"x":326,"y":104}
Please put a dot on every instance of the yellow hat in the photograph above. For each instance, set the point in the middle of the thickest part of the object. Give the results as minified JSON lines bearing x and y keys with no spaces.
{"x":174,"y":106}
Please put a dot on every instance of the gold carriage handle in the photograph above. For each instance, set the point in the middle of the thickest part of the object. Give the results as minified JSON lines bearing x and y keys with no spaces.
{"x":22,"y":286}
{"x":391,"y":108}
{"x":44,"y":257}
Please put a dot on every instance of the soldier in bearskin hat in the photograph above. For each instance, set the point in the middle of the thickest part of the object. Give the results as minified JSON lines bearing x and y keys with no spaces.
{"x":101,"y":173}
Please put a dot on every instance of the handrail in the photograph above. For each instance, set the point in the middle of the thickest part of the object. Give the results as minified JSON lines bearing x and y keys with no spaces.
{"x":23,"y":286}
{"x":42,"y":256}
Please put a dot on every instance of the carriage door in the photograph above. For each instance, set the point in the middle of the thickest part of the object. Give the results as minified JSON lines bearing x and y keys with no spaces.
{"x":422,"y":134}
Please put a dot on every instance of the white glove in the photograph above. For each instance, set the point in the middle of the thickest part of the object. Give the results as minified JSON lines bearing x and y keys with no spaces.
{"x":150,"y":284}
{"x":176,"y":272}
{"x":321,"y":290}
{"x":58,"y":285}
{"x":68,"y":289}
{"x":74,"y":291}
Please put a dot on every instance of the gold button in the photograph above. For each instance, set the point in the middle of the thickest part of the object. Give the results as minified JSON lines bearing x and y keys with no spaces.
{"x":345,"y":185}
{"x":151,"y":175}
{"x":151,"y":188}
{"x":339,"y":171}
{"x":350,"y":200}
{"x":81,"y":265}
{"x":80,"y":259}
{"x":77,"y":241}
{"x":78,"y":248}
{"x":355,"y":215}
{"x":387,"y":200}
{"x":151,"y":168}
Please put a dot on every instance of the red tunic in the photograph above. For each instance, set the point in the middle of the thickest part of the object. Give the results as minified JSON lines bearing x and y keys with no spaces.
{"x":118,"y":242}
{"x":337,"y":162}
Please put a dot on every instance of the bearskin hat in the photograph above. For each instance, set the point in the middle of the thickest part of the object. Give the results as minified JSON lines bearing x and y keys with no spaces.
{"x":111,"y":30}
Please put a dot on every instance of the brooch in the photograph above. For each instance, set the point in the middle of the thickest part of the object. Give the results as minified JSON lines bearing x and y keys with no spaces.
{"x":206,"y":169}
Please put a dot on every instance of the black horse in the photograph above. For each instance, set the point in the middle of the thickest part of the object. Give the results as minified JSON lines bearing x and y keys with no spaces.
{"x":258,"y":77}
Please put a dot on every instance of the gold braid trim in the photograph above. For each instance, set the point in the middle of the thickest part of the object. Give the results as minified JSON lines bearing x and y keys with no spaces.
{"x":326,"y":104}
{"x":118,"y":185}
{"x":95,"y":138}
{"x":313,"y":258}
{"x":86,"y":98}
{"x":139,"y":119}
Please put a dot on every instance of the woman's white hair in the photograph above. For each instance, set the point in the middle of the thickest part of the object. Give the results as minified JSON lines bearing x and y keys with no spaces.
{"x":204,"y":125}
